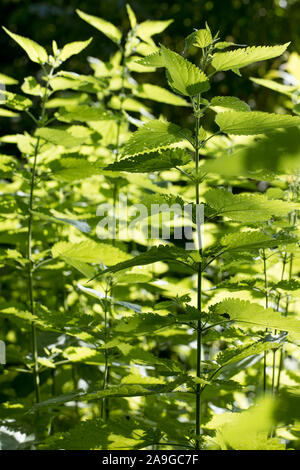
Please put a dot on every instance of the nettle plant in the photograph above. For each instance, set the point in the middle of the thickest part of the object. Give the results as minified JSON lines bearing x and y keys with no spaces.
{"x":140,"y":343}
{"x":233,"y":118}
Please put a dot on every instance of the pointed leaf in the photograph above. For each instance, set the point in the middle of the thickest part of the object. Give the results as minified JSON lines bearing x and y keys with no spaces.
{"x":247,"y":207}
{"x":154,"y":161}
{"x":183,"y":76}
{"x":243,"y":311}
{"x":107,"y":28}
{"x":272,"y":85}
{"x":202,"y":38}
{"x":241,"y":57}
{"x":90,"y":252}
{"x":147,"y":29}
{"x":160,"y":253}
{"x":35,"y":52}
{"x":223,"y":103}
{"x":240,"y":123}
{"x":254,"y":240}
{"x":157,"y":93}
{"x":60,"y":137}
{"x":154,"y":135}
{"x":153,"y":60}
{"x":232,"y":355}
{"x":83,"y":113}
{"x":14,"y":101}
{"x":6,"y":80}
{"x":73,"y":48}
{"x":81,"y":225}
{"x":131,"y":16}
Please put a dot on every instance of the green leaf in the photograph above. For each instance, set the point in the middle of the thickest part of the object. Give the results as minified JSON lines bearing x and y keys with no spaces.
{"x":124,"y":390}
{"x":183,"y":76}
{"x":14,"y":101}
{"x":60,"y":137}
{"x":291,"y":284}
{"x":240,"y":123}
{"x":81,"y":225}
{"x":239,"y":58}
{"x":247,"y":207}
{"x":7,"y":113}
{"x":272,"y":85}
{"x":223,"y":103}
{"x":288,"y":407}
{"x":247,"y":430}
{"x":254,"y":240}
{"x":159,"y":253}
{"x":7,"y":163}
{"x":71,"y":81}
{"x":152,"y":136}
{"x":142,"y":324}
{"x":154,"y":161}
{"x":32,"y":87}
{"x":296,"y":109}
{"x":83,"y":113}
{"x":157,"y":93}
{"x":72,"y":168}
{"x":147,"y":29}
{"x":73,"y":48}
{"x":43,"y":318}
{"x":102,"y":297}
{"x":95,"y":435}
{"x":159,"y":203}
{"x":16,"y":312}
{"x":143,"y":357}
{"x":202,"y":38}
{"x":232,"y":355}
{"x":277,"y":152}
{"x":225,"y":44}
{"x":84,"y":268}
{"x":243,"y":311}
{"x":90,"y":252}
{"x":70,"y":100}
{"x":6,"y":80}
{"x":84,"y":354}
{"x":134,"y":276}
{"x":145,"y":183}
{"x":153,"y":60}
{"x":107,"y":28}
{"x":131,"y":16}
{"x":35,"y":52}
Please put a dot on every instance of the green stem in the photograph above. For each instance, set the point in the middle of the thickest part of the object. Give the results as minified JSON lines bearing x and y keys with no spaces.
{"x":278,"y":305}
{"x":198,"y":113}
{"x":199,"y":280}
{"x":117,"y":146}
{"x":36,"y":380}
{"x":281,"y":359}
{"x":267,"y":305}
{"x":104,"y":405}
{"x":293,"y":220}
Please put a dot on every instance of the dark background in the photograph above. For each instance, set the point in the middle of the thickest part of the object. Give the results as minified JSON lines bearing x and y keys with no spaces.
{"x":266,"y":22}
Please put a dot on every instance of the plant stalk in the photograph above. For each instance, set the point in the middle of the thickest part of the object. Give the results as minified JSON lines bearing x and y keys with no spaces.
{"x":34,"y":349}
{"x":104,"y":405}
{"x":293,"y":221}
{"x":267,"y":305}
{"x":36,"y":380}
{"x":278,"y":305}
{"x":199,"y":281}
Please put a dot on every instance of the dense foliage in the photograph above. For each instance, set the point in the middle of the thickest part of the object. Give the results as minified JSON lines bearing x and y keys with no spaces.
{"x":135,"y":341}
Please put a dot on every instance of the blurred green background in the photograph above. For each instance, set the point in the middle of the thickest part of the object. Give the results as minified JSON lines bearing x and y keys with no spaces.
{"x":250,"y":22}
